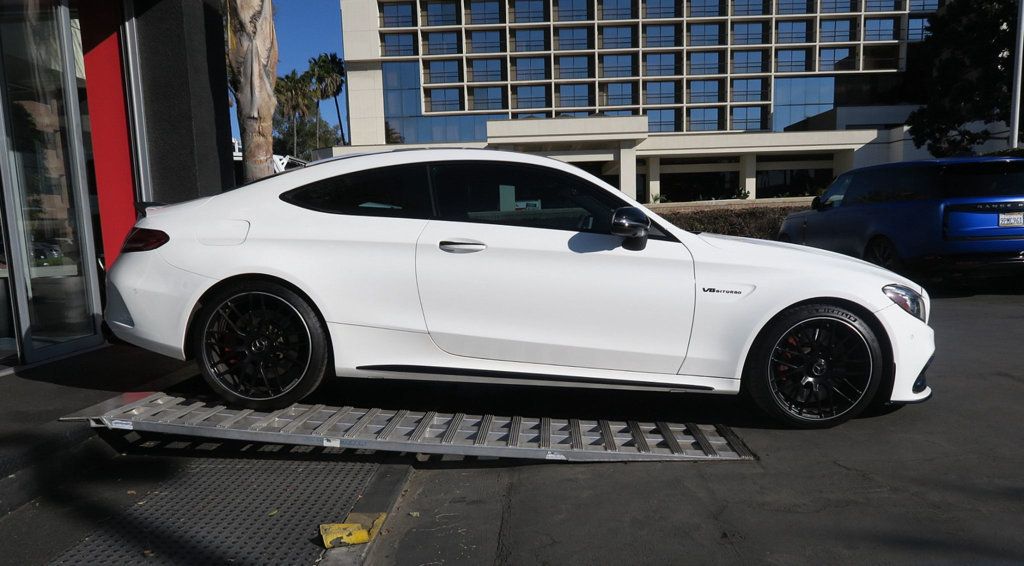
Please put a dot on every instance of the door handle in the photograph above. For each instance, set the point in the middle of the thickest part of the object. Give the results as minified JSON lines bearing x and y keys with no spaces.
{"x":461,"y":247}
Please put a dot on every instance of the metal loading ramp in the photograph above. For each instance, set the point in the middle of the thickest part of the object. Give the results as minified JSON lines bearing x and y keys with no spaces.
{"x":428,"y":432}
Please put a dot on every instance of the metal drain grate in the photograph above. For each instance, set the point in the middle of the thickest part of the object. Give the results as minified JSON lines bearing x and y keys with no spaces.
{"x":230,"y":511}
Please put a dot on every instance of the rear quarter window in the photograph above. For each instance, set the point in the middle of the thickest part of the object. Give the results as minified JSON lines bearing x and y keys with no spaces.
{"x":998,"y":179}
{"x":399,"y":191}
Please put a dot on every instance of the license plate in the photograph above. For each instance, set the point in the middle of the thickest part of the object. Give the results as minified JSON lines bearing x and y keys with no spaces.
{"x":1011,"y":219}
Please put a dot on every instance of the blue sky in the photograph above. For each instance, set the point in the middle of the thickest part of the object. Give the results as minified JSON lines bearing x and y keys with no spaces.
{"x":305,"y":29}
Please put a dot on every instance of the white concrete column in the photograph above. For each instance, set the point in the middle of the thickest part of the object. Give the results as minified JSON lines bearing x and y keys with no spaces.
{"x":653,"y":178}
{"x":627,"y":169}
{"x":748,"y":174}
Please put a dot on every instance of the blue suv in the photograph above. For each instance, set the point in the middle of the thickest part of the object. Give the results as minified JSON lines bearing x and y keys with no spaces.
{"x":953,"y":215}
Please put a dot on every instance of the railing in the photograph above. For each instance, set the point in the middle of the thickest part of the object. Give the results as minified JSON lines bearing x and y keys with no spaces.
{"x":705,"y":38}
{"x":570,"y":44}
{"x":484,"y":76}
{"x":705,"y":68}
{"x":884,"y":34}
{"x":405,"y":21}
{"x":703,"y":125}
{"x":661,"y":11}
{"x":573,"y":101}
{"x":661,"y":125}
{"x":440,"y":77}
{"x":748,"y":95}
{"x":794,"y":7}
{"x":528,"y":16}
{"x":748,"y":8}
{"x":748,"y":38}
{"x":882,"y":5}
{"x":660,"y":41}
{"x":749,"y":124}
{"x":619,"y":100}
{"x":572,"y":14}
{"x":832,"y":36}
{"x":791,"y":36}
{"x":488,"y":104}
{"x":442,"y":20}
{"x":486,"y":46}
{"x":702,"y":97}
{"x":484,"y":18}
{"x":531,"y":101}
{"x":617,"y":13}
{"x":747,"y":67}
{"x":836,"y":6}
{"x":616,"y":70}
{"x":398,"y":49}
{"x":616,"y":42}
{"x":699,"y":9}
{"x":792,"y":66}
{"x":442,"y":105}
{"x":531,"y":74}
{"x":660,"y":98}
{"x":660,"y":69}
{"x":573,"y":73}
{"x":442,"y":47}
{"x":924,"y":5}
{"x":528,"y":45}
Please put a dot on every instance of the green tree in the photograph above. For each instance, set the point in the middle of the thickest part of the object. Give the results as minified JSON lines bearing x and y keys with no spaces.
{"x":969,"y":72}
{"x":295,"y":100}
{"x":328,"y":73}
{"x":298,"y":136}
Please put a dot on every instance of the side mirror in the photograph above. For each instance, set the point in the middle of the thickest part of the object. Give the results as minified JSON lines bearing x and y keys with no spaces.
{"x":633,"y":225}
{"x":816,"y":203}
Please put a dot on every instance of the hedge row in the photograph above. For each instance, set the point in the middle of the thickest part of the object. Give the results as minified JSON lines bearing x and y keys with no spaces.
{"x":763,"y":223}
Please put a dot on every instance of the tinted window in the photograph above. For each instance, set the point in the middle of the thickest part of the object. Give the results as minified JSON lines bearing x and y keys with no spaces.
{"x":984,"y":179}
{"x":836,"y":192}
{"x":892,"y":184}
{"x":399,"y":191}
{"x":518,"y":195}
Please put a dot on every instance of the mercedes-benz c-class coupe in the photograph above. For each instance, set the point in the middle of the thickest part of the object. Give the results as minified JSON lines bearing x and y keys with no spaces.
{"x":480,"y":265}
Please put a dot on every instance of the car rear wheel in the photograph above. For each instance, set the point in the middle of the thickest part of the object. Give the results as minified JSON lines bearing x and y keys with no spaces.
{"x":260,"y":345}
{"x":815,"y":366}
{"x":882,"y":252}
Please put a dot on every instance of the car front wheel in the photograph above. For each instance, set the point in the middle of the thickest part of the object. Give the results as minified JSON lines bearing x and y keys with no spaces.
{"x":815,"y":366}
{"x":260,"y":345}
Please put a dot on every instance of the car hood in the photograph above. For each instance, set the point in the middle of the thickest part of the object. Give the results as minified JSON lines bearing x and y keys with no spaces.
{"x":781,"y":253}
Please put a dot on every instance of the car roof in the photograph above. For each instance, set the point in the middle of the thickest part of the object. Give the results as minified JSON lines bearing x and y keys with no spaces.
{"x":944,"y":161}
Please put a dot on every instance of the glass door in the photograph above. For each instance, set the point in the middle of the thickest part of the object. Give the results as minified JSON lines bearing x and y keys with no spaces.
{"x":52,"y":266}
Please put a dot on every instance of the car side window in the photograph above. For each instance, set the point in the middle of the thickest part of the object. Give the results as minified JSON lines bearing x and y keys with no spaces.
{"x":399,"y":191}
{"x":521,"y":195}
{"x":869,"y":187}
{"x":836,"y":192}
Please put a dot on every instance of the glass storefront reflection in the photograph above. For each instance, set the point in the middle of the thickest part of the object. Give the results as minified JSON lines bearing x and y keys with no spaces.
{"x":8,"y":339}
{"x":45,"y":206}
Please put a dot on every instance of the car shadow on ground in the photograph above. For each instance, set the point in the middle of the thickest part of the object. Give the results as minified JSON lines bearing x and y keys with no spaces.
{"x":958,"y":287}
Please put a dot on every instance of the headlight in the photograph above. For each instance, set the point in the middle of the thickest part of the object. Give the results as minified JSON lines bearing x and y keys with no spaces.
{"x":908,"y":299}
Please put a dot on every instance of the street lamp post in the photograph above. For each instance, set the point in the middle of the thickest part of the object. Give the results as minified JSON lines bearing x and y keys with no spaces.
{"x":1017,"y":60}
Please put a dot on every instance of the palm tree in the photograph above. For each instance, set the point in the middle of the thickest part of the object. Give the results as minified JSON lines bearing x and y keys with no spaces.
{"x":295,"y":96}
{"x":328,"y":72}
{"x":252,"y":64}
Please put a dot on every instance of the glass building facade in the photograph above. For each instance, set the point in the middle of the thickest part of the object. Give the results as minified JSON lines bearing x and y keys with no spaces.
{"x":790,"y":54}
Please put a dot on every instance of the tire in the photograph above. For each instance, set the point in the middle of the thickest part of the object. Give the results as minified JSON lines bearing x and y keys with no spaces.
{"x":814,"y":366}
{"x":882,"y":252}
{"x":260,"y":345}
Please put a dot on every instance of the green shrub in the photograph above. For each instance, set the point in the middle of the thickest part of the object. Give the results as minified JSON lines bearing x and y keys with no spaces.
{"x":760,"y":222}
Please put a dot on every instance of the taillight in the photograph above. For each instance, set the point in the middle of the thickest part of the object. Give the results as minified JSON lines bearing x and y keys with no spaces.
{"x":143,"y":240}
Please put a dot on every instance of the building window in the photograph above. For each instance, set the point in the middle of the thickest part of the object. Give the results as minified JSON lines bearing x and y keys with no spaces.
{"x":485,"y":42}
{"x":794,"y":6}
{"x":442,"y":43}
{"x":617,"y":37}
{"x":703,"y":119}
{"x":705,"y":63}
{"x":881,"y":5}
{"x":531,"y":96}
{"x":617,"y":9}
{"x":484,"y":12}
{"x":396,"y":15}
{"x":574,"y":95}
{"x":791,"y":60}
{"x":661,"y":9}
{"x":531,"y":69}
{"x":528,"y":11}
{"x":797,"y":99}
{"x":924,"y":5}
{"x":704,"y":92}
{"x":748,"y":90}
{"x":528,"y":115}
{"x":836,"y":59}
{"x":792,"y":32}
{"x":441,"y":14}
{"x":487,"y":98}
{"x":398,"y":44}
{"x":576,"y":114}
{"x":746,"y":118}
{"x":661,"y":120}
{"x":835,"y":30}
{"x":443,"y":100}
{"x":573,"y":10}
{"x":659,"y":92}
{"x":836,"y":6}
{"x":661,"y":36}
{"x":705,"y":8}
{"x":617,"y":112}
{"x":617,"y":66}
{"x":917,"y":29}
{"x":879,"y":30}
{"x":485,"y":70}
{"x":748,"y":62}
{"x":748,"y":7}
{"x":705,"y":34}
{"x":574,"y":67}
{"x":748,"y":33}
{"x":530,"y":39}
{"x":573,"y":38}
{"x":660,"y":64}
{"x":620,"y":94}
{"x":442,"y":72}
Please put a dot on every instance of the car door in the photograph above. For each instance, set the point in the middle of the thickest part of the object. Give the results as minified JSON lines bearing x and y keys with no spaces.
{"x":520,"y":266}
{"x":817,"y":229}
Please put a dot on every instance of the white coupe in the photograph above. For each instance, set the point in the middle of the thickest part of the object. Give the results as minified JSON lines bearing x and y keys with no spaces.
{"x":478,"y":265}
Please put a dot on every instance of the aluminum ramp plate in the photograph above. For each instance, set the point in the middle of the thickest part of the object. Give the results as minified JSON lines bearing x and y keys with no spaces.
{"x":428,"y":432}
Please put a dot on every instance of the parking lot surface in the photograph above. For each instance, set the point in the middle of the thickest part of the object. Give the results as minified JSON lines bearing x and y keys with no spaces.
{"x":939,"y":482}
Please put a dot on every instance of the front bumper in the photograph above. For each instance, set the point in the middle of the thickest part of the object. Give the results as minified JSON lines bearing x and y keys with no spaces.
{"x":913,"y":346}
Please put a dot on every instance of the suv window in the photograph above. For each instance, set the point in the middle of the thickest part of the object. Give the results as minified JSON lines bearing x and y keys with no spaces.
{"x":400,"y":191}
{"x":521,"y":195}
{"x":834,"y":194}
{"x":984,"y":179}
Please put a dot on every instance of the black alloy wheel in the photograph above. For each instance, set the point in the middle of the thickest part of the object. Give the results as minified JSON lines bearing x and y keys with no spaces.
{"x":815,"y":366}
{"x":260,"y":345}
{"x":882,"y":252}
